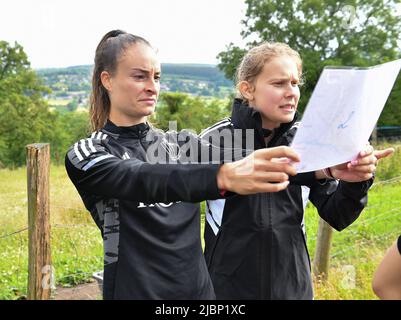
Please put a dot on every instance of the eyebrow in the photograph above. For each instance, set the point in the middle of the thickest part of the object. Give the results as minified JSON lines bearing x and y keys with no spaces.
{"x":283,"y":79}
{"x":144,"y":70}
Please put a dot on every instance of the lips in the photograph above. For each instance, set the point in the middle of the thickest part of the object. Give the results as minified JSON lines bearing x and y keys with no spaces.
{"x":288,"y":107}
{"x":150,"y":100}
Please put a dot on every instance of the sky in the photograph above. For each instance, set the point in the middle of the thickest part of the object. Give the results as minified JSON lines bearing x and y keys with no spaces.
{"x":60,"y":33}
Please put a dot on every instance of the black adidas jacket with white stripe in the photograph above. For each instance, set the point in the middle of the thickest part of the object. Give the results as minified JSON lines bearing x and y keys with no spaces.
{"x":255,"y":246}
{"x":147,"y":211}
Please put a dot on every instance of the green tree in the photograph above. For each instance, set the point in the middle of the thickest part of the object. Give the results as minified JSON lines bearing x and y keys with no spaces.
{"x":24,"y":115}
{"x":189,"y":112}
{"x":328,"y":32}
{"x":12,"y":59}
{"x":68,"y":128}
{"x":391,"y":115}
{"x":73,"y":105}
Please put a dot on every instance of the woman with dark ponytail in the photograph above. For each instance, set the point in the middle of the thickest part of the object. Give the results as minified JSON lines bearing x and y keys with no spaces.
{"x":148,"y":211}
{"x":106,"y":59}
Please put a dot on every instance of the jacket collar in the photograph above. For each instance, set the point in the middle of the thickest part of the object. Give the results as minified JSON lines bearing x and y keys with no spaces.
{"x":245,"y":117}
{"x":136,"y":131}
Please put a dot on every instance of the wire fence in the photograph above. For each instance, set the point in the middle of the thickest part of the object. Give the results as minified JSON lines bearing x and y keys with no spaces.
{"x":14,"y":260}
{"x":74,"y":274}
{"x":386,"y":182}
{"x":378,"y":226}
{"x":13,"y":233}
{"x":364,"y":242}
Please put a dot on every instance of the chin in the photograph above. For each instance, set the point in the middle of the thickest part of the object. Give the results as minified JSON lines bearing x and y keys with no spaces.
{"x":149,"y":111}
{"x":286,"y":119}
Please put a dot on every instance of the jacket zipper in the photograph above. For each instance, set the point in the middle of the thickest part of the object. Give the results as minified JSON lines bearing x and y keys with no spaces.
{"x":267,"y":243}
{"x":262,"y":254}
{"x":266,"y":247}
{"x":140,"y":140}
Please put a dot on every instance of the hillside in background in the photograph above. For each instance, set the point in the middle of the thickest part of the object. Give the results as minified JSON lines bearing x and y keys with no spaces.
{"x":71,"y":86}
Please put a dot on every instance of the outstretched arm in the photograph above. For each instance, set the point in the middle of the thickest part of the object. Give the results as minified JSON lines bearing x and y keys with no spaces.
{"x":96,"y":171}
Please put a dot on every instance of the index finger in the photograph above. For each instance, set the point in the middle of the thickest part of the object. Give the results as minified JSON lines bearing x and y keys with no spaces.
{"x":281,"y":152}
{"x":379,"y":154}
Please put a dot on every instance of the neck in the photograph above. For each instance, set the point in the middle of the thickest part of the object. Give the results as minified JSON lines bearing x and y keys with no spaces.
{"x":266,"y":123}
{"x":122,"y":121}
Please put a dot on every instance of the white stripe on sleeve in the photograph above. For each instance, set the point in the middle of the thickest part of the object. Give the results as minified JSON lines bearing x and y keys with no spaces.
{"x":91,"y":147}
{"x":96,"y":160}
{"x":223,"y":123}
{"x":83,"y":148}
{"x":78,"y":154}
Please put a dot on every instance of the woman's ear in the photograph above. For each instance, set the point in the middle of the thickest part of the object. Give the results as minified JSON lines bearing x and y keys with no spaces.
{"x":105,"y":78}
{"x":246,"y":89}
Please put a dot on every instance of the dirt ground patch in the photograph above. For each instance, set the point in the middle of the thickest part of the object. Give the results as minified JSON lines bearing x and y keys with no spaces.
{"x":87,"y":291}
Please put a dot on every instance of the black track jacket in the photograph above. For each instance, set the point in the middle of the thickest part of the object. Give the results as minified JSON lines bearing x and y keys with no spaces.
{"x":148,"y":213}
{"x":256,"y":244}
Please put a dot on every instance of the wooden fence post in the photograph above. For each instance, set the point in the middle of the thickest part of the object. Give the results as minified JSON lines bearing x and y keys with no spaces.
{"x":322,"y":253}
{"x":39,"y":259}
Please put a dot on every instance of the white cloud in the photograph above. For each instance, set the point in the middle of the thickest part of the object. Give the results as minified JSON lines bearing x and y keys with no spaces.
{"x":63,"y":33}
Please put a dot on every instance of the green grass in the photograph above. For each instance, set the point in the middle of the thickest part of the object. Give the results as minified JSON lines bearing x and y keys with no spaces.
{"x":77,"y":249}
{"x":389,"y":167}
{"x":361,"y":246}
{"x":76,"y":243}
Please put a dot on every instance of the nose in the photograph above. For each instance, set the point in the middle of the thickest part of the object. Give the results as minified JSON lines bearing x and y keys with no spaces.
{"x":292,"y":91}
{"x":152,"y":86}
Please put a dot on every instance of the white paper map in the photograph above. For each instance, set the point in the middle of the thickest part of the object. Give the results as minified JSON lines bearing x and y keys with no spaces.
{"x":342,"y":113}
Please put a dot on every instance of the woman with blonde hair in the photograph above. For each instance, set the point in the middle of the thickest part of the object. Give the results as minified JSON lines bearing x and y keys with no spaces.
{"x":255,"y":245}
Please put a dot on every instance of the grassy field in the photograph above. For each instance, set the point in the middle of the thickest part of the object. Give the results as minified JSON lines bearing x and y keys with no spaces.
{"x":77,"y":245}
{"x":76,"y":242}
{"x":358,"y":250}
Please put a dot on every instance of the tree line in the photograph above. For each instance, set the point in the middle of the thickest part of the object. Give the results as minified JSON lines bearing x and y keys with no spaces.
{"x":357,"y":33}
{"x":25,"y":116}
{"x":329,"y":32}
